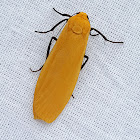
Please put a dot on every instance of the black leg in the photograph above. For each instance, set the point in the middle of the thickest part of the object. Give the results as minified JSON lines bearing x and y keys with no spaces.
{"x":72,"y":96}
{"x":36,"y":70}
{"x":82,"y":67}
{"x":48,"y":51}
{"x":102,"y":36}
{"x":94,"y":34}
{"x":85,"y":61}
{"x":61,"y":13}
{"x":53,"y":27}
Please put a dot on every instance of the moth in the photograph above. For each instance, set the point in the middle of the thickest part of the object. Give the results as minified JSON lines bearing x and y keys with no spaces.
{"x":60,"y":72}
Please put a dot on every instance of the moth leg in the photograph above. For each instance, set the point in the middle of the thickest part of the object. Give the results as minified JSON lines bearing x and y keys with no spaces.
{"x":48,"y":51}
{"x":94,"y":34}
{"x":53,"y":27}
{"x":85,"y":61}
{"x":83,"y":66}
{"x":36,"y":70}
{"x":102,"y":36}
{"x":72,"y":96}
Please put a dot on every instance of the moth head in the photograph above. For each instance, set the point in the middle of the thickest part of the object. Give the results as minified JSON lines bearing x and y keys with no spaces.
{"x":82,"y":15}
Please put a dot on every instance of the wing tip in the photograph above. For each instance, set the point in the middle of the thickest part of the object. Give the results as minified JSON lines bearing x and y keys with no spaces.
{"x":44,"y":118}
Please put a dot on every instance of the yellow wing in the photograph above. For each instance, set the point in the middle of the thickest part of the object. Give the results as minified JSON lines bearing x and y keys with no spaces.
{"x":60,"y":72}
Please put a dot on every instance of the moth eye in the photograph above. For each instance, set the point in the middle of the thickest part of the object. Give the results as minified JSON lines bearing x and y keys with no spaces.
{"x":87,"y":17}
{"x":77,"y":13}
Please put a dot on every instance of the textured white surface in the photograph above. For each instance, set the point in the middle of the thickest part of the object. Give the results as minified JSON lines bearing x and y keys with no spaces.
{"x":107,"y":94}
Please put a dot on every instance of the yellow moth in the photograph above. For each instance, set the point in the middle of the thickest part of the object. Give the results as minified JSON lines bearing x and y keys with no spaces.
{"x":60,"y":72}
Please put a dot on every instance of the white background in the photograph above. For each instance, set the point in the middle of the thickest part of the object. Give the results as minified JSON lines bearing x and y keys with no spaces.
{"x":107,"y":95}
